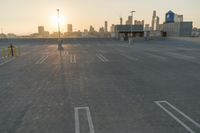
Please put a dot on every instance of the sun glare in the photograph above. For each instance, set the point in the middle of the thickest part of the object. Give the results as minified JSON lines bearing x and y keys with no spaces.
{"x":61,"y":20}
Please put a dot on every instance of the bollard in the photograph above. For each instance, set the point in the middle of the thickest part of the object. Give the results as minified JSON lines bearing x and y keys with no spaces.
{"x":9,"y":52}
{"x":15,"y":52}
{"x":3,"y":53}
{"x":19,"y":51}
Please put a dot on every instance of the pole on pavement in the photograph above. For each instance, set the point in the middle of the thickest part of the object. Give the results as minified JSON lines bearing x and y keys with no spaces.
{"x":59,"y":39}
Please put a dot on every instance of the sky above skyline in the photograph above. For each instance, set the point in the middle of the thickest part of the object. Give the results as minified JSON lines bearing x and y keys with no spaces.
{"x":24,"y":16}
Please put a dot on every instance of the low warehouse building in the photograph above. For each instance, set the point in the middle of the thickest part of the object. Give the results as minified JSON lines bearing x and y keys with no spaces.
{"x":182,"y":29}
{"x":126,"y":31}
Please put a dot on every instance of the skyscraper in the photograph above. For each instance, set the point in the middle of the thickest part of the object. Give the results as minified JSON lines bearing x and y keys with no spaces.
{"x":112,"y":28}
{"x":41,"y":30}
{"x":155,"y":21}
{"x":130,"y":20}
{"x":69,"y":28}
{"x":91,"y":29}
{"x":121,"y":21}
{"x":106,"y":26}
{"x":137,"y":22}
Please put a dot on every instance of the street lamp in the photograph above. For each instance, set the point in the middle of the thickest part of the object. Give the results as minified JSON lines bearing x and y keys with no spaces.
{"x":59,"y":40}
{"x":58,"y":19}
{"x":131,"y":41}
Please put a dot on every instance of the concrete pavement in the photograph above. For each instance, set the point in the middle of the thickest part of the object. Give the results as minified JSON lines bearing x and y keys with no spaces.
{"x":102,"y":86}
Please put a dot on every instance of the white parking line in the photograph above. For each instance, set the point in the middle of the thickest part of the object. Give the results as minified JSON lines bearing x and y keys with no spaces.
{"x":101,"y":51}
{"x":159,"y":103}
{"x":156,"y":56}
{"x":102,"y":58}
{"x":9,"y":60}
{"x":130,"y":57}
{"x":89,"y":118}
{"x":73,"y":59}
{"x":179,"y":56}
{"x":66,"y":53}
{"x":124,"y":45}
{"x":42,"y":59}
{"x":77,"y":126}
{"x":25,"y":53}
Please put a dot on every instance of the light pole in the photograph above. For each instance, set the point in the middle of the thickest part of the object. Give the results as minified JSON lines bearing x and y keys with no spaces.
{"x":58,"y":19}
{"x":59,"y":40}
{"x":131,"y":41}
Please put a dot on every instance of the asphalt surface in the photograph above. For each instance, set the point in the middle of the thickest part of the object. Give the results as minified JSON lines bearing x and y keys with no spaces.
{"x":102,"y":86}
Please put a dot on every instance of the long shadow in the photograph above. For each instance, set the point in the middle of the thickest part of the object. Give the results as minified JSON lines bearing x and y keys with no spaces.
{"x":66,"y":94}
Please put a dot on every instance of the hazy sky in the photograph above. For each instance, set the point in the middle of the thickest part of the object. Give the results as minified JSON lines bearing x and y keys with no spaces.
{"x":23,"y":16}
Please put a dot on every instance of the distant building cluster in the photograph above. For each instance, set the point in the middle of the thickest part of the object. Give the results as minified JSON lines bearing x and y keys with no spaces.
{"x":174,"y":25}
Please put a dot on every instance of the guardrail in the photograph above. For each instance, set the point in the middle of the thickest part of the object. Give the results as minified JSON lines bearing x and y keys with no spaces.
{"x":7,"y":52}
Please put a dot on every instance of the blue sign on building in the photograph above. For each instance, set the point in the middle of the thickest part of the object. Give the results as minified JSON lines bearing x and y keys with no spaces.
{"x":169,"y":17}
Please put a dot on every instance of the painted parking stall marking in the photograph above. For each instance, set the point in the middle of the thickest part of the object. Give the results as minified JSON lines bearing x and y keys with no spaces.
{"x":102,"y":58}
{"x":42,"y":59}
{"x":130,"y":57}
{"x":164,"y":104}
{"x":73,"y":59}
{"x":6,"y":61}
{"x":77,"y":119}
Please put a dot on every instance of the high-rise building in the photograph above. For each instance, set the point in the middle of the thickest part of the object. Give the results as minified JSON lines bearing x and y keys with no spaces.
{"x":106,"y":26}
{"x":112,"y":28}
{"x":137,"y":22}
{"x":155,"y":21}
{"x":69,"y":28}
{"x":129,"y":21}
{"x":101,"y":30}
{"x":121,"y":21}
{"x":171,"y":17}
{"x":154,"y":13}
{"x":91,"y":29}
{"x":41,"y":30}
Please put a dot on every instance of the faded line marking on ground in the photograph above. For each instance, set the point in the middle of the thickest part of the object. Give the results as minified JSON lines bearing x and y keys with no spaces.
{"x":156,"y":56}
{"x":73,"y":59}
{"x":89,"y":118}
{"x":42,"y":59}
{"x":130,"y":57}
{"x":179,"y":56}
{"x":102,"y":58}
{"x":159,"y":103}
{"x":7,"y":61}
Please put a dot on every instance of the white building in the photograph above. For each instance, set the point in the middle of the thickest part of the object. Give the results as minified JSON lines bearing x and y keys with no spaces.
{"x":155,"y":21}
{"x":183,"y":29}
{"x":178,"y":18}
{"x":129,"y":21}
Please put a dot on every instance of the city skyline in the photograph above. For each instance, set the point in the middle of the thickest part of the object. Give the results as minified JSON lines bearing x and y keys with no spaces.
{"x":20,"y":16}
